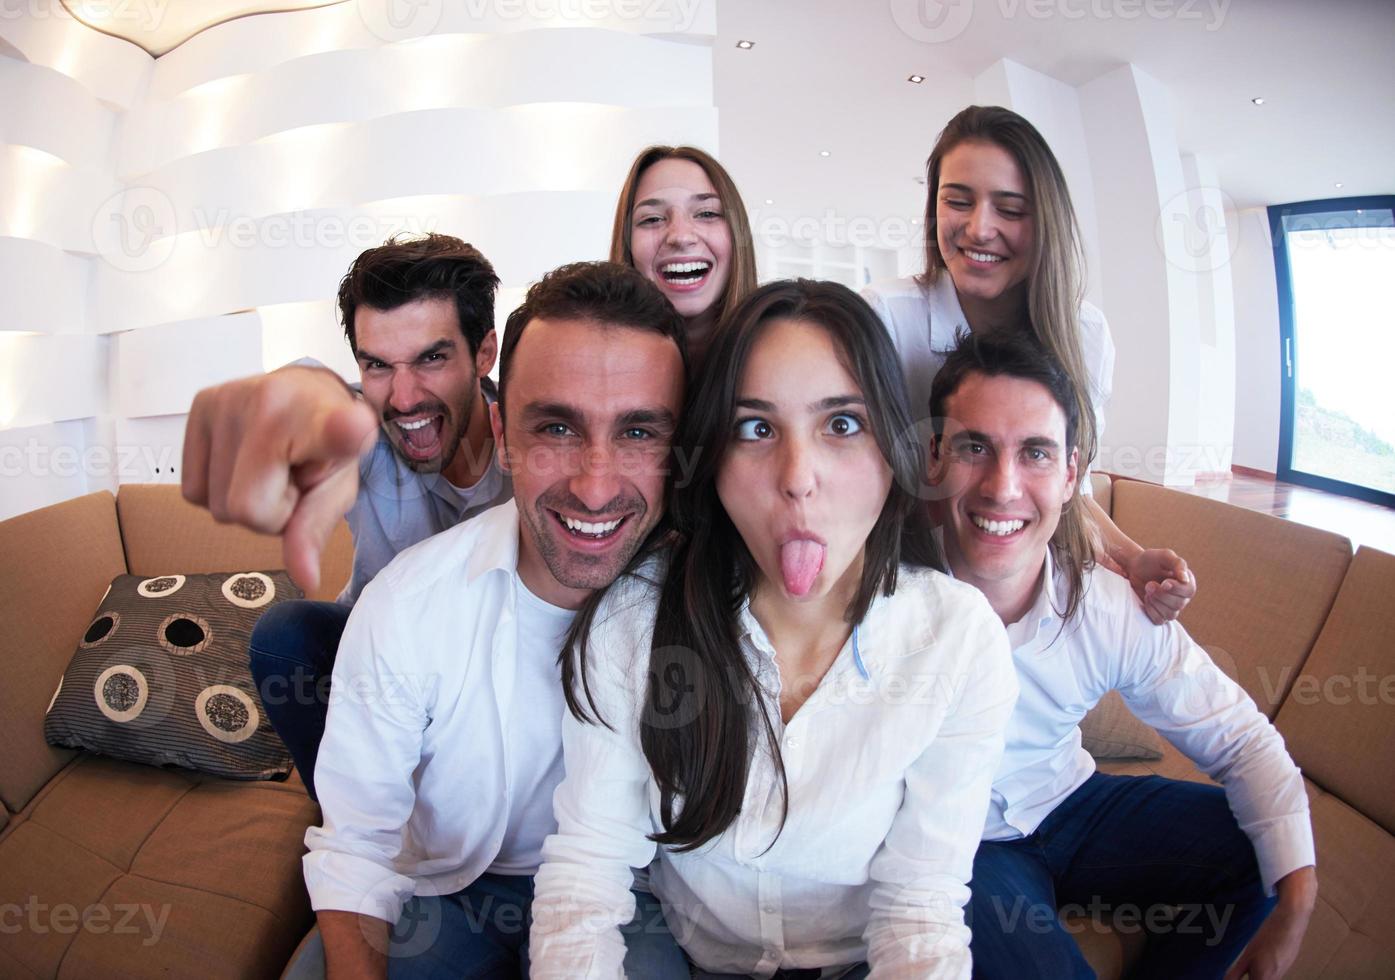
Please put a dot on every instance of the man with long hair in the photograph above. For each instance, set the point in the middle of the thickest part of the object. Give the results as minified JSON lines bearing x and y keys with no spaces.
{"x":1200,"y":863}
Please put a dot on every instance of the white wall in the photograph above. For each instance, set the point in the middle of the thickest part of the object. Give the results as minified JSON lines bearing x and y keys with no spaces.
{"x":1258,"y":384}
{"x":167,"y":224}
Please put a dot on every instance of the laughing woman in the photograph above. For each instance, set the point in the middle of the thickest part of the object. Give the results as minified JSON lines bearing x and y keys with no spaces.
{"x":681,"y":223}
{"x":789,"y":706}
{"x":1002,"y":249}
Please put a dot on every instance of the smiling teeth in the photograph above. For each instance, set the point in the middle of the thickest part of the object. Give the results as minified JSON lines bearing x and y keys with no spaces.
{"x":412,"y":426}
{"x":674,"y":268}
{"x":583,"y":527}
{"x":1000,"y":528}
{"x":983,"y":256}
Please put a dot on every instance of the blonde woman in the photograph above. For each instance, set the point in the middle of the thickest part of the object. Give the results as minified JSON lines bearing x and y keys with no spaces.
{"x":1002,"y":251}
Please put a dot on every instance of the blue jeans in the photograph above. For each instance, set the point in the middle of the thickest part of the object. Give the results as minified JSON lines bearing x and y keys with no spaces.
{"x":292,"y":657}
{"x":481,"y":933}
{"x":1134,"y":852}
{"x":859,"y":972}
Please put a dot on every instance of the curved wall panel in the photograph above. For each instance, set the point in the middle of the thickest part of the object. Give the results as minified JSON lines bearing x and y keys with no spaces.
{"x":43,"y":199}
{"x":115,"y":72}
{"x":455,"y":71}
{"x":58,"y":115}
{"x":42,"y":289}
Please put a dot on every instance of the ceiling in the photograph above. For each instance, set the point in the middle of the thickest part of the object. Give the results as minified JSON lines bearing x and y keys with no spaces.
{"x":831,"y":75}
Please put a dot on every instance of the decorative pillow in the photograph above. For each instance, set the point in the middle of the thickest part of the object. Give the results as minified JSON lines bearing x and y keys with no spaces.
{"x":1109,"y":730}
{"x":161,"y":676}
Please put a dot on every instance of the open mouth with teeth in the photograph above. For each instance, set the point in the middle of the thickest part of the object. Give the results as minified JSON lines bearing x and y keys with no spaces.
{"x":988,"y":258}
{"x":998,"y":529}
{"x":589,"y":532}
{"x":686,"y":275}
{"x":421,"y":437}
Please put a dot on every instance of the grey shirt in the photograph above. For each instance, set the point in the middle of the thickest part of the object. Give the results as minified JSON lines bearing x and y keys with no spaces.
{"x":398,"y":507}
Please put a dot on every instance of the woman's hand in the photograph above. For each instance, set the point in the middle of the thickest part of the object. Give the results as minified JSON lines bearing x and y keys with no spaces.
{"x":1162,"y":580}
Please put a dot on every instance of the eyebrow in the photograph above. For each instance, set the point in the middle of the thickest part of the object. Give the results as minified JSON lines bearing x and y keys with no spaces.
{"x":439,"y":347}
{"x":656,"y":202}
{"x":1034,"y":442}
{"x":969,"y":190}
{"x":822,"y":405}
{"x":561,"y":412}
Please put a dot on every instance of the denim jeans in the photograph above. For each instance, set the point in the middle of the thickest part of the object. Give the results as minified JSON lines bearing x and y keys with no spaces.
{"x":859,"y":972}
{"x":292,"y":657}
{"x":1134,"y":852}
{"x":481,"y":933}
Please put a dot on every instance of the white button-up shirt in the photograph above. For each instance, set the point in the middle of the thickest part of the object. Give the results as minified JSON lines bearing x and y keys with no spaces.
{"x":415,"y":770}
{"x":1170,"y":683}
{"x":888,"y":786}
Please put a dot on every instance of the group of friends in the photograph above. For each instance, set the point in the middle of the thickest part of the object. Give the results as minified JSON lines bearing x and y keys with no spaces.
{"x":743,"y":631}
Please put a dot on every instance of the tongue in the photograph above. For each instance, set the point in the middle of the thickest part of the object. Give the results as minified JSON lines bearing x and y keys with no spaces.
{"x":800,"y":562}
{"x":424,"y":438}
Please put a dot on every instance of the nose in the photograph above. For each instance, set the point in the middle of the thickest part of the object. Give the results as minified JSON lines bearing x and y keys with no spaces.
{"x":1002,"y":483}
{"x":681,"y":229}
{"x":404,"y":394}
{"x":596,"y":477}
{"x":981,"y":226}
{"x":798,"y":477}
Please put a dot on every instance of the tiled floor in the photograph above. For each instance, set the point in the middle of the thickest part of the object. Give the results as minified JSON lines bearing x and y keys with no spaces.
{"x":1363,"y":523}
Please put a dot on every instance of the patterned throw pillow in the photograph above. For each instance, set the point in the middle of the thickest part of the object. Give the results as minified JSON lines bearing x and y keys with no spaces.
{"x":161,"y":676}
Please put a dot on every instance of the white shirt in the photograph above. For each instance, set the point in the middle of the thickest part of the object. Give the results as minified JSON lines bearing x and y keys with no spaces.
{"x":1170,"y":683}
{"x":534,"y":737}
{"x":923,"y":322}
{"x":416,"y":777}
{"x":888,"y":785}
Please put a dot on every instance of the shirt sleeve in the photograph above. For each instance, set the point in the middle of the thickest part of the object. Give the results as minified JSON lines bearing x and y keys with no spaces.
{"x":363,"y":774}
{"x":922,"y":870}
{"x":1177,"y":689}
{"x":582,"y":892}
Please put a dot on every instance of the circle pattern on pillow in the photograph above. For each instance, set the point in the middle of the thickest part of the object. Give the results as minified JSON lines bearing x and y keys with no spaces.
{"x":226,"y":713}
{"x":249,"y":589}
{"x":184,"y":633}
{"x":121,"y":692}
{"x":161,"y":586}
{"x":101,"y":630}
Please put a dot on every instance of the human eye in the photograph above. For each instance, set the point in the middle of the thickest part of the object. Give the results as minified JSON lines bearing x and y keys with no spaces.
{"x":972,"y":450}
{"x":1035,"y":454}
{"x":845,"y":424}
{"x":637,"y":434}
{"x":957,"y":203}
{"x":559,"y":430}
{"x":647,"y":220}
{"x":374,"y":365}
{"x":710,"y":214}
{"x":752,"y":430}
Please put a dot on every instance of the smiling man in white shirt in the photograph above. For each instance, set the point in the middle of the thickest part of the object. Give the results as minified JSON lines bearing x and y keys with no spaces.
{"x":443,"y":745}
{"x":1059,"y":833}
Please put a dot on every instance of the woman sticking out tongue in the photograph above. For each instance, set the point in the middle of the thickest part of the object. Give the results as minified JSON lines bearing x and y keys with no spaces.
{"x":739,"y":697}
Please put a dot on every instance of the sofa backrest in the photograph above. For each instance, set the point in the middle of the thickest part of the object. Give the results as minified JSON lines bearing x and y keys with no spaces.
{"x":1339,"y":717}
{"x":1102,"y":488}
{"x":165,"y":534}
{"x":1264,"y":584}
{"x":58,"y":562}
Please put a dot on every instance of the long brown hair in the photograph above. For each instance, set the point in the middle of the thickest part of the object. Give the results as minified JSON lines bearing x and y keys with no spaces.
{"x":703,"y":713}
{"x":1055,"y":282}
{"x":742,"y":280}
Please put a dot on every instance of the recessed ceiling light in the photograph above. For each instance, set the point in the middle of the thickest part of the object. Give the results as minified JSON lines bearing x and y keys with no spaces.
{"x":745,"y":45}
{"x":915,"y":221}
{"x":1257,"y":101}
{"x":769,"y":201}
{"x":824,"y":153}
{"x":1339,"y":183}
{"x":916,"y":79}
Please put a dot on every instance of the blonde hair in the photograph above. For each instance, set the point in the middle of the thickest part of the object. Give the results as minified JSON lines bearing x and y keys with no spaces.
{"x":1055,"y":281}
{"x":742,"y":280}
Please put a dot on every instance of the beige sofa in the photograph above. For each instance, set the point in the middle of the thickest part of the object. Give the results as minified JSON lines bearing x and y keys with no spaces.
{"x":1288,"y":610}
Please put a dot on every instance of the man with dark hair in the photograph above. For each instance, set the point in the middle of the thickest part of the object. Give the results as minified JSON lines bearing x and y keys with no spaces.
{"x":436,"y":776}
{"x":1198,"y":864}
{"x":280,"y":453}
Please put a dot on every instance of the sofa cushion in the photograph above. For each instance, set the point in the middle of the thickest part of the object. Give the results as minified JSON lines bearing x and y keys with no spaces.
{"x":1339,"y":718}
{"x":163,"y":531}
{"x":161,"y":676}
{"x":57,"y":563}
{"x":201,"y":874}
{"x":1109,"y":730}
{"x":1264,"y":584}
